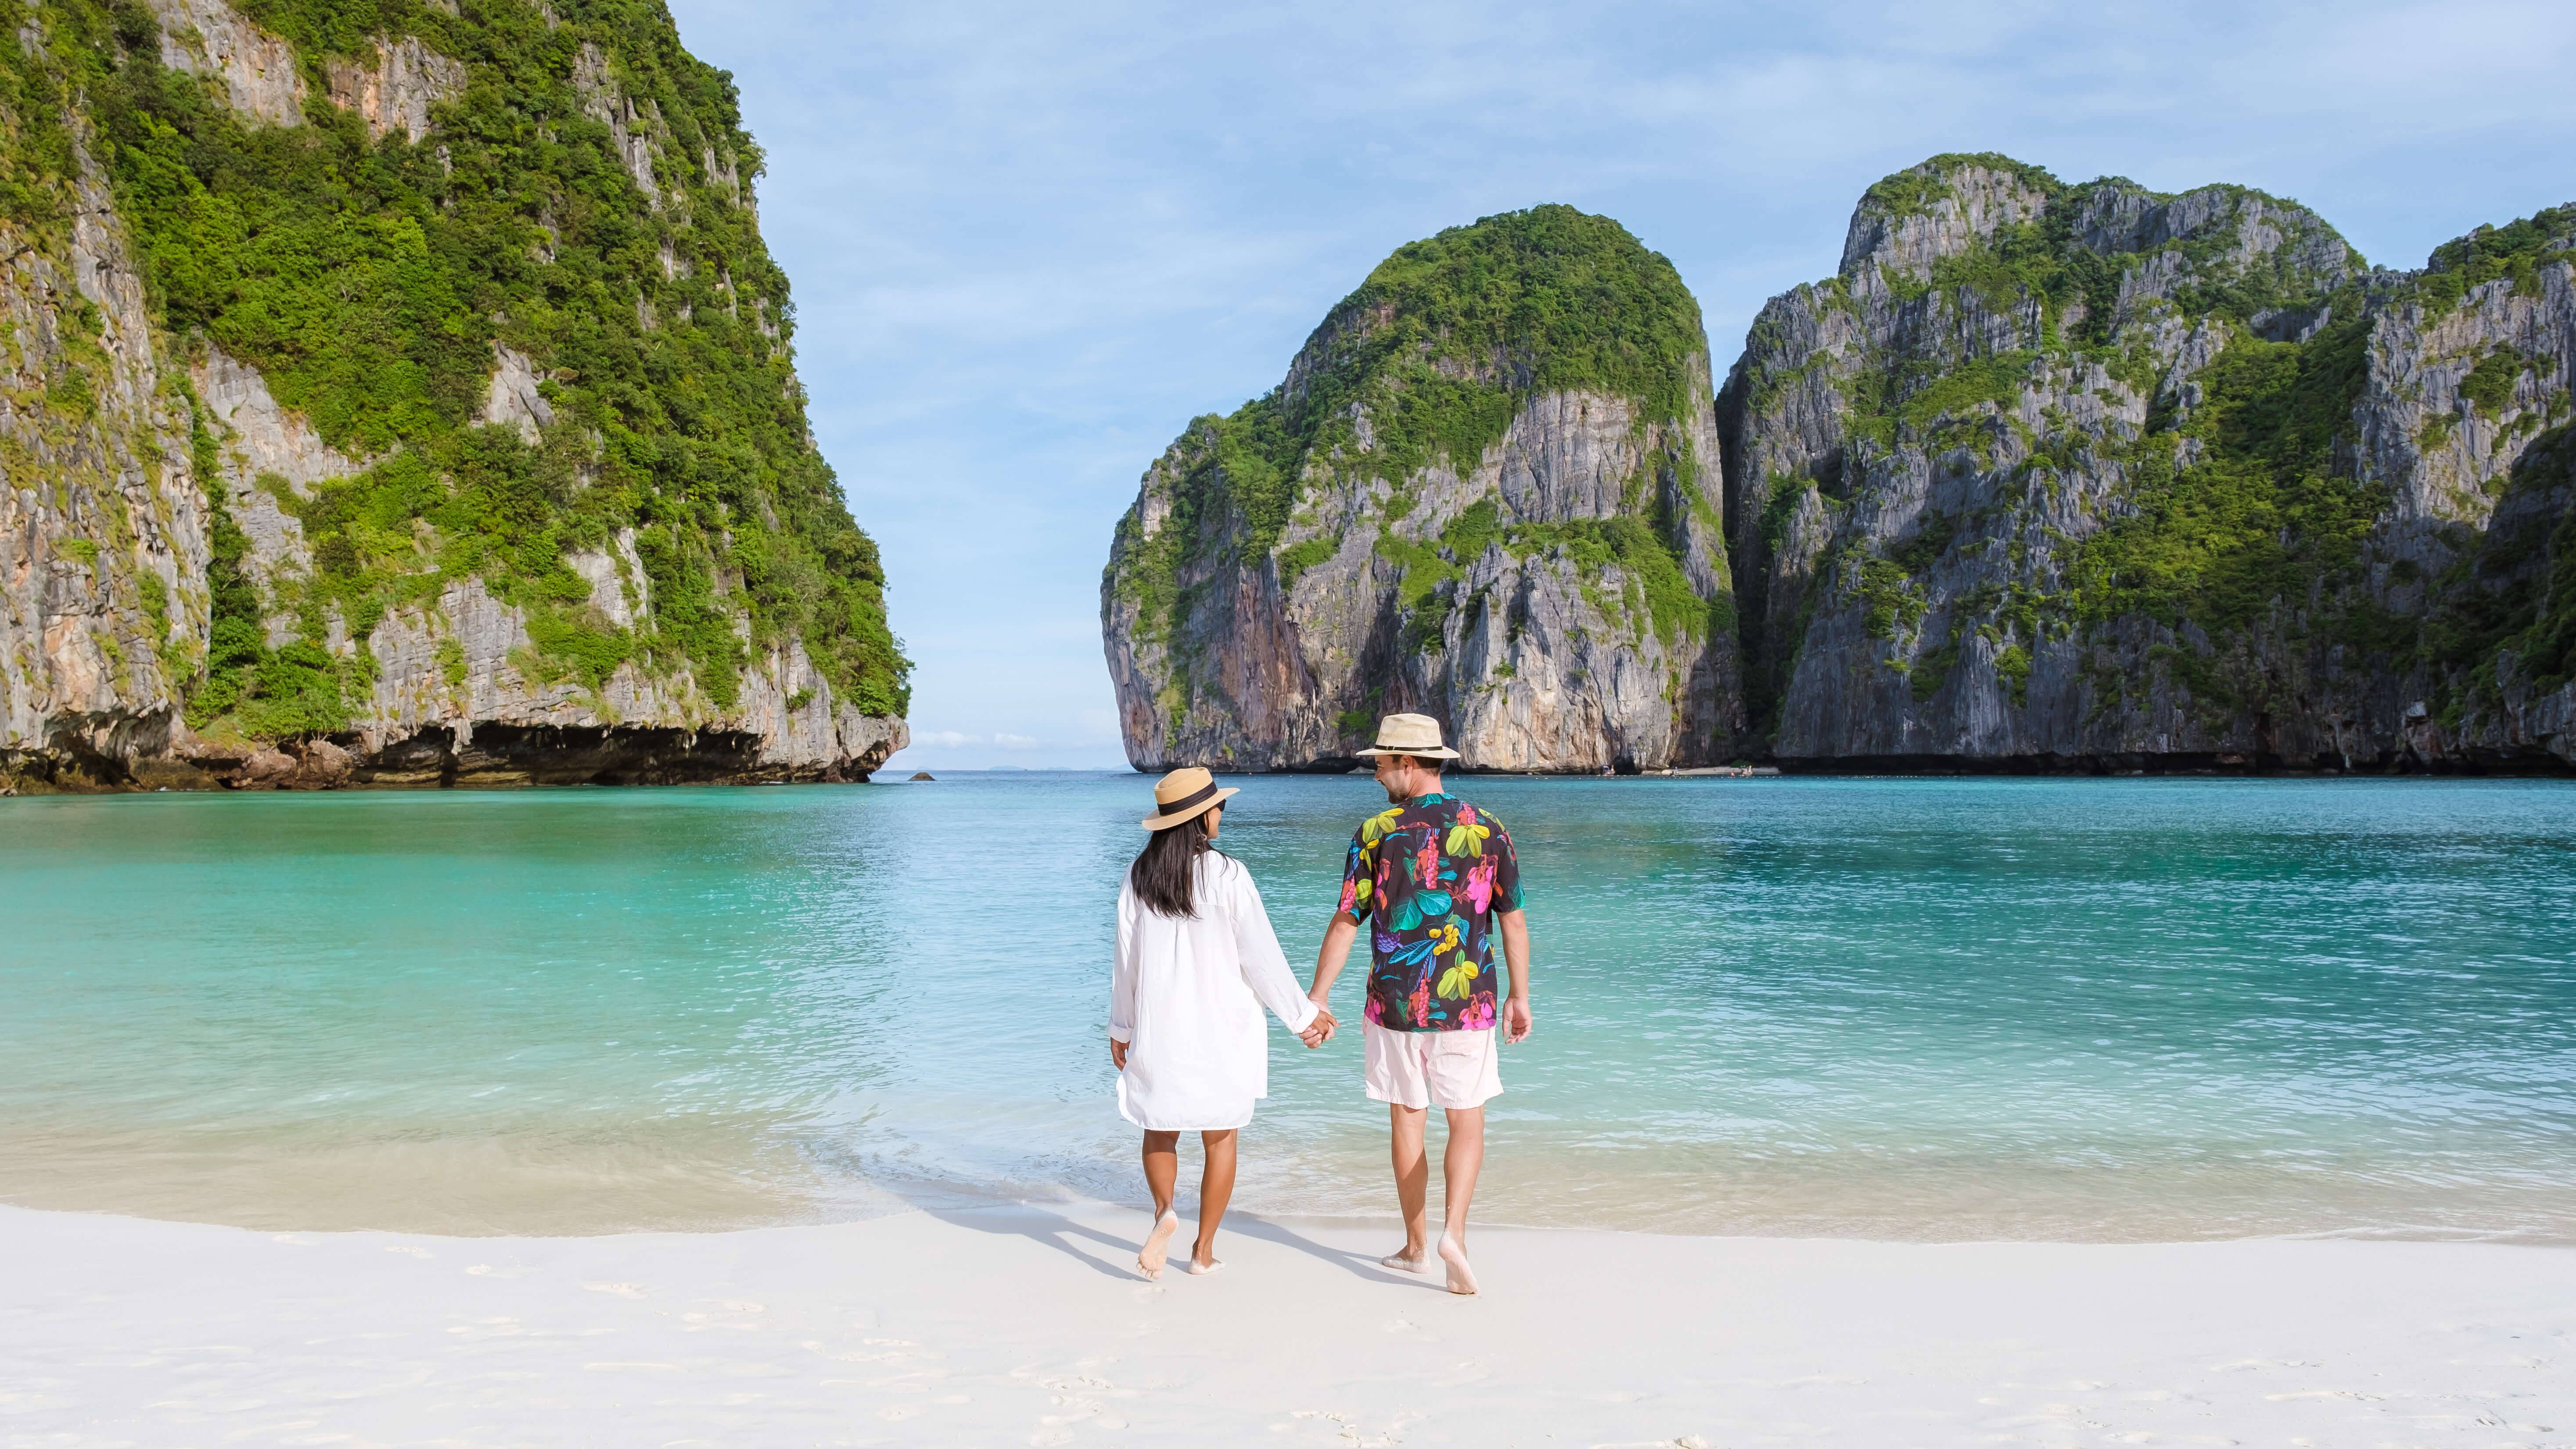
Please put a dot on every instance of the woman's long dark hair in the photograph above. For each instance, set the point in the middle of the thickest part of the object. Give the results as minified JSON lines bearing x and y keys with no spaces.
{"x":1166,"y":870}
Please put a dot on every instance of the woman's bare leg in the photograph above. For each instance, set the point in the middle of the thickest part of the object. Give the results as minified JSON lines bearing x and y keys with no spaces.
{"x":1216,"y":1188}
{"x":1162,"y":1168}
{"x":1162,"y":1171}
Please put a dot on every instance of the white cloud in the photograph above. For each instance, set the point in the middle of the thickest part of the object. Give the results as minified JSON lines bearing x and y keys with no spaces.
{"x":945,"y":739}
{"x":1011,"y":741}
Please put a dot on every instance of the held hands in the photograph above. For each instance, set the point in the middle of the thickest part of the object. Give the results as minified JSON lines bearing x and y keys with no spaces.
{"x":1320,"y":1030}
{"x":1118,"y":1054}
{"x":1516,"y":1020}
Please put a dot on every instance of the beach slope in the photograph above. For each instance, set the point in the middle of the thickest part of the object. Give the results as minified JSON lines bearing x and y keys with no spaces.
{"x":1027,"y":1326}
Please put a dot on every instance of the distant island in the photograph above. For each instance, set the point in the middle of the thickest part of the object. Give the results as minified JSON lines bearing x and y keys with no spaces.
{"x":2047,"y":476}
{"x":409,"y":402}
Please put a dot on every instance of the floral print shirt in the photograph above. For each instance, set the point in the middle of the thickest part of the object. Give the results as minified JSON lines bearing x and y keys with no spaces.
{"x":1432,"y":872}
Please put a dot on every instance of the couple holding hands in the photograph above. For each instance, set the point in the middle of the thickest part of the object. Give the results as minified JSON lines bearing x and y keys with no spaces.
{"x":1197,"y":963}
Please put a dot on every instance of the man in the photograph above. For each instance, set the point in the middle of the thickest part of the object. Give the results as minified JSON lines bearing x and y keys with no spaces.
{"x":1440,"y":879}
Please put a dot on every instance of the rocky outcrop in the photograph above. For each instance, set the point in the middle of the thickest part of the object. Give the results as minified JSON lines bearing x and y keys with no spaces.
{"x":103,"y":603}
{"x":2045,"y":477}
{"x":254,"y":71}
{"x":2087,"y":477}
{"x":1461,"y":501}
{"x":396,"y":90}
{"x":156,"y":481}
{"x":513,"y":400}
{"x":635,"y":127}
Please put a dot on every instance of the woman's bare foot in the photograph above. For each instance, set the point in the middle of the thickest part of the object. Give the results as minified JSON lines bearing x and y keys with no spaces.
{"x":1158,"y":1243}
{"x":1462,"y":1279}
{"x":1201,"y":1267}
{"x":1414,"y":1262}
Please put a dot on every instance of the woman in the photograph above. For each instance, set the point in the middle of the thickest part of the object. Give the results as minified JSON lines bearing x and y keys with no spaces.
{"x":1196,"y":964}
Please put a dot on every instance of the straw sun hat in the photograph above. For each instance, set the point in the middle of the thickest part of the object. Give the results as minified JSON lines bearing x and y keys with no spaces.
{"x":1417,"y":735}
{"x":1185,"y":794}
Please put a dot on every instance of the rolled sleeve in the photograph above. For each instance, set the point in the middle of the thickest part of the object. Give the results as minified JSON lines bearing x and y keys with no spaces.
{"x":1507,"y":870}
{"x":1359,"y":880}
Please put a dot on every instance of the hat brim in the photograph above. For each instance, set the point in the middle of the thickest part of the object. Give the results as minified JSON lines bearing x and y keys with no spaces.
{"x":1166,"y":822}
{"x":1442,"y":752}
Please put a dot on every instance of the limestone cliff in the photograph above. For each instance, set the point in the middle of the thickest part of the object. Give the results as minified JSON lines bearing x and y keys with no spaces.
{"x":2086,"y":476}
{"x":404,"y":396}
{"x":1488,"y":489}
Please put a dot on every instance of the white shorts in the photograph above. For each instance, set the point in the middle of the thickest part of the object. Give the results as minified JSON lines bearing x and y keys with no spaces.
{"x":1421,"y":1069}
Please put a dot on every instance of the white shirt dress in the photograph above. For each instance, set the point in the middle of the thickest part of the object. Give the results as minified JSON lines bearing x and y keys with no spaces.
{"x":1186,"y":996}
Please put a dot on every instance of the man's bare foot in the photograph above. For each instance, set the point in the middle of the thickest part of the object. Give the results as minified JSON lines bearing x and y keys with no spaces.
{"x":1462,"y":1279}
{"x":1201,"y":1267}
{"x":1158,"y":1243}
{"x":1413,"y":1262}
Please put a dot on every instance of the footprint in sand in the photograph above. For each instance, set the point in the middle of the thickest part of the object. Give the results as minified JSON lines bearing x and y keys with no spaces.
{"x":622,"y":1290}
{"x":408,"y":1251}
{"x":1351,"y":1433}
{"x":817,"y":1346}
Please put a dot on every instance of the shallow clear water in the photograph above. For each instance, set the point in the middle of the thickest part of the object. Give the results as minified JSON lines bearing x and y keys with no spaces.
{"x":2096,"y":1009}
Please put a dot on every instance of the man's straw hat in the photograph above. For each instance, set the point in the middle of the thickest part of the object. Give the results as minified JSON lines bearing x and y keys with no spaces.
{"x":1417,"y":735}
{"x":1185,"y":794}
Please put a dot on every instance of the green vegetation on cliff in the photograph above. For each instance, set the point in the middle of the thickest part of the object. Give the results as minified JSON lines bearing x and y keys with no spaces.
{"x":2517,"y":249}
{"x":371,"y":281}
{"x":1439,"y":349}
{"x":2261,"y":515}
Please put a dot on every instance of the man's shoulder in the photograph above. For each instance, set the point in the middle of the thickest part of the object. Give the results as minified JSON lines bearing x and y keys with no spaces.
{"x":1375,"y":827}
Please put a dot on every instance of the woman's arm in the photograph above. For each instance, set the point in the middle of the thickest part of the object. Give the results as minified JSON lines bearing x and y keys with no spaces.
{"x":1122,"y":981}
{"x":1264,"y":965}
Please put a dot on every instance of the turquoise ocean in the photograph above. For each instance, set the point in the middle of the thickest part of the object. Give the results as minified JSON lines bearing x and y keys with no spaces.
{"x":1894,"y":1008}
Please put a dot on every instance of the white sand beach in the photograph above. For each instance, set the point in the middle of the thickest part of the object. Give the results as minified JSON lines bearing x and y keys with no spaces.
{"x":1028,"y":1326}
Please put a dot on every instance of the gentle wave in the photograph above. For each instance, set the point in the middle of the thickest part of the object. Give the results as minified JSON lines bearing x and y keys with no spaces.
{"x":2075,"y":1010}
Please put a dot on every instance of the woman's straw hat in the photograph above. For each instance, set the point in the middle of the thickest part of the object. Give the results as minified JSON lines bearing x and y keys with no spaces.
{"x":1417,"y":735}
{"x":1185,"y":794}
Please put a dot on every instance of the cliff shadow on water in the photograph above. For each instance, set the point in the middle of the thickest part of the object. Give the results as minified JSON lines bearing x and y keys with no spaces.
{"x":402,"y":394}
{"x":2048,"y":477}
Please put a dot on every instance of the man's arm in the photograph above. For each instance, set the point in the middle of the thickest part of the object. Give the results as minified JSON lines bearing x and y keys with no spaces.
{"x":1336,"y":950}
{"x":1516,"y":1010}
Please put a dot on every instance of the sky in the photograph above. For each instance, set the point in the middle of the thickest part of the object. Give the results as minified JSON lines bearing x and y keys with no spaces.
{"x":1028,"y":243}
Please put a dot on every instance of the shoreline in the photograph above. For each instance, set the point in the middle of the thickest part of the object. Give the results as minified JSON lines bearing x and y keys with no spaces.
{"x":2540,"y":766}
{"x":1026,"y":1325}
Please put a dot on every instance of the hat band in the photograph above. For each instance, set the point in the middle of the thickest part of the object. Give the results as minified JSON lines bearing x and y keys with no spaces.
{"x":1196,"y":797}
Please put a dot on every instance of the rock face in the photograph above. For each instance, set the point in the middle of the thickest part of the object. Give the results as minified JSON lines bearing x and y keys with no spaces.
{"x":235,"y":555}
{"x":103,"y":599}
{"x":1488,"y":490}
{"x":2046,"y":477}
{"x":2087,"y":477}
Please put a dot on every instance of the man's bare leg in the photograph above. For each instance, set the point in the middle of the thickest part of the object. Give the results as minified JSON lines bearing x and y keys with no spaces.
{"x":1412,"y":1185}
{"x":1162,"y":1171}
{"x":1458,"y":1168}
{"x":1216,"y":1187}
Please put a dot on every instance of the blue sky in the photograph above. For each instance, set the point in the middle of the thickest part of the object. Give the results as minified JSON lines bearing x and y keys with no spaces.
{"x":1029,"y":243}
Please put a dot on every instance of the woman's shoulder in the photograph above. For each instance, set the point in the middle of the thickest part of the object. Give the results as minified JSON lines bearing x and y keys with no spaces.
{"x":1227,"y":878}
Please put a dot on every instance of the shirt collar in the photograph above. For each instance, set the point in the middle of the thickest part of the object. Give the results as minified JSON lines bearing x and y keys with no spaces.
{"x":1419,"y":801}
